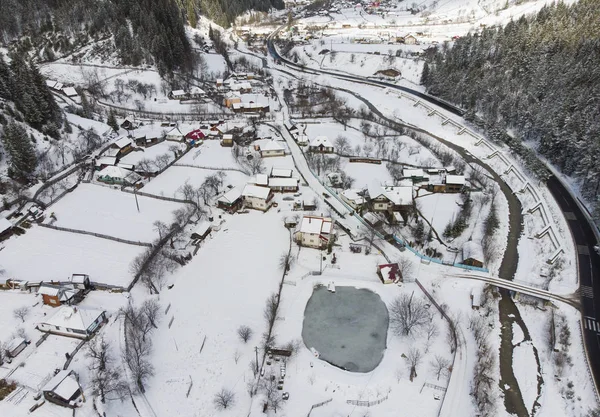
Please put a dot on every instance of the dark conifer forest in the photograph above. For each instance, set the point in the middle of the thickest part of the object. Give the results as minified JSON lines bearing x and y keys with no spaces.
{"x":538,"y":78}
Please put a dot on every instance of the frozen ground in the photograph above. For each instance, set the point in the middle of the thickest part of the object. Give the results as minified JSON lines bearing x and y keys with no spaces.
{"x":224,"y":286}
{"x":111,"y":212}
{"x":348,"y":327}
{"x":44,"y":254}
{"x":169,"y":182}
{"x":210,"y":155}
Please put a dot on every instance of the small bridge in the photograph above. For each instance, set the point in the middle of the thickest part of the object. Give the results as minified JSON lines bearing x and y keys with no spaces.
{"x":528,"y":289}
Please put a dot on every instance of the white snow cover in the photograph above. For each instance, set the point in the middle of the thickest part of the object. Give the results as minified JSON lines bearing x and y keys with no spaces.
{"x":76,"y":318}
{"x":472,"y":250}
{"x":283,"y":182}
{"x":315,"y":225}
{"x":251,"y":190}
{"x":281,"y":172}
{"x":321,"y":140}
{"x":272,"y":145}
{"x":63,"y":384}
{"x":231,"y":196}
{"x":69,"y":91}
{"x":455,"y":179}
{"x":5,"y":224}
{"x":122,"y":142}
{"x":43,"y":254}
{"x":111,"y":212}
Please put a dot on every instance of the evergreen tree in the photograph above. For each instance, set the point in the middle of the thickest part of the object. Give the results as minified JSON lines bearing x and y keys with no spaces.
{"x":112,"y":121}
{"x":20,"y":149}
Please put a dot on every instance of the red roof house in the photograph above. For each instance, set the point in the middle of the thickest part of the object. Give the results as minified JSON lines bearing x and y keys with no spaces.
{"x":195,"y":134}
{"x":389,"y":273}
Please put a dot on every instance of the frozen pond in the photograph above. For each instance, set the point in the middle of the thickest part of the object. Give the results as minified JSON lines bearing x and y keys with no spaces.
{"x":348,"y":328}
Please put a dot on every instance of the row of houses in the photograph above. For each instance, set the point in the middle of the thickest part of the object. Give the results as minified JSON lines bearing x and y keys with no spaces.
{"x":319,"y":144}
{"x":259,"y":192}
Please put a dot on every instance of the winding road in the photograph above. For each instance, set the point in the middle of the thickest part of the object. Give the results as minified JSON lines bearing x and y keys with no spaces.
{"x":584,"y":234}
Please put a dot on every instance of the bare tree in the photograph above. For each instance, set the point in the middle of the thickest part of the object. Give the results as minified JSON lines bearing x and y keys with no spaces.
{"x":161,"y":228}
{"x":162,"y":161}
{"x":106,"y":379}
{"x":236,"y":356}
{"x":407,"y":268}
{"x":439,"y":365}
{"x":224,"y":399}
{"x":414,"y":359}
{"x":245,"y":333}
{"x":286,"y":260}
{"x":151,"y":309}
{"x":270,"y":311}
{"x":269,"y":386}
{"x":431,"y":331}
{"x":342,"y":145}
{"x":136,"y":355}
{"x":2,"y":352}
{"x":407,"y":314}
{"x":21,"y":313}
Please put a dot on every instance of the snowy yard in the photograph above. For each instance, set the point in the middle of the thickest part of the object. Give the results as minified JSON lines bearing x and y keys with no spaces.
{"x":439,"y":209}
{"x":210,"y":155}
{"x":169,"y":182}
{"x":111,"y":212}
{"x":44,"y":254}
{"x":153,"y":152}
{"x":224,"y":286}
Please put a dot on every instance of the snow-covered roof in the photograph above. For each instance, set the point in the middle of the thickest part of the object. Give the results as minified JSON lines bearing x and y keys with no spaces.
{"x":5,"y":224}
{"x":106,"y":160}
{"x":122,"y":142}
{"x":230,"y":196}
{"x":114,"y":172}
{"x":289,"y":125}
{"x":69,"y":91}
{"x":321,"y":140}
{"x":255,"y":191}
{"x":15,"y":343}
{"x":476,"y":297}
{"x":455,"y":179}
{"x":272,"y":146}
{"x":175,"y":131}
{"x":281,"y":172}
{"x":315,"y":225}
{"x":414,"y":172}
{"x":228,"y":136}
{"x":63,"y":384}
{"x":197,"y":90}
{"x":76,"y":318}
{"x":51,"y":290}
{"x":390,"y":272}
{"x":472,"y":250}
{"x":202,"y":228}
{"x":283,"y":182}
{"x":196,"y":134}
{"x":50,"y":83}
{"x":400,"y":196}
{"x":352,"y":195}
{"x":178,"y":93}
{"x":261,"y":179}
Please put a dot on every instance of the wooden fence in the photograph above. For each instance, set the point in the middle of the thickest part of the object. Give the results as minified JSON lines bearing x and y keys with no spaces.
{"x":321,"y":404}
{"x":99,"y":235}
{"x":360,"y":403}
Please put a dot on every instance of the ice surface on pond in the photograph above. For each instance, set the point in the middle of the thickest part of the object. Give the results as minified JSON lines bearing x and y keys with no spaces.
{"x":348,"y":328}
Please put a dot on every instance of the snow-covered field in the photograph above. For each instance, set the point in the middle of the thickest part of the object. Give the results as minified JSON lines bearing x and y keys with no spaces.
{"x":225,"y":285}
{"x":169,"y":182}
{"x":104,"y":210}
{"x":210,"y":155}
{"x":44,"y":255}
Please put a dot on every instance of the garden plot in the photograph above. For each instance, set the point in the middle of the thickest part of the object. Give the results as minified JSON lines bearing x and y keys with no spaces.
{"x":210,"y":155}
{"x":224,"y":286}
{"x":45,"y":254}
{"x":365,"y":174}
{"x":439,"y":209}
{"x":9,"y":302}
{"x":152,"y":153}
{"x":169,"y":183}
{"x":41,"y":361}
{"x":104,"y":210}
